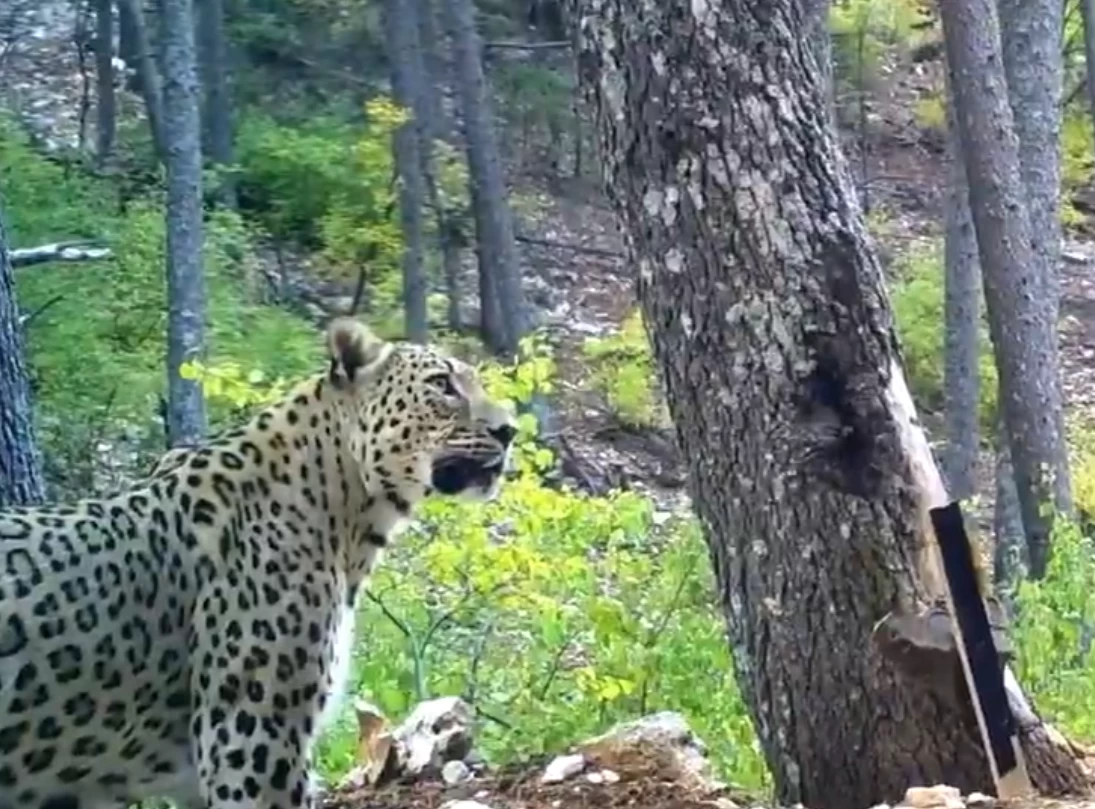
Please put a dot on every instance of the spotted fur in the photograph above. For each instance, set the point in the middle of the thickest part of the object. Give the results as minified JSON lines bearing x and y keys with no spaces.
{"x":187,"y":638}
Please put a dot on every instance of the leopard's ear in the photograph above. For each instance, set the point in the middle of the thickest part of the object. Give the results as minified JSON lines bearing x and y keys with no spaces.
{"x":352,"y":348}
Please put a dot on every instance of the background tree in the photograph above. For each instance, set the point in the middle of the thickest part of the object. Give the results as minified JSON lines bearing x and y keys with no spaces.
{"x":146,"y":74}
{"x":962,"y":355}
{"x":185,"y":274}
{"x":21,"y":480}
{"x":1020,"y":286}
{"x":217,"y":107}
{"x":771,"y":328}
{"x":502,"y":306}
{"x":105,"y":107}
{"x":411,"y":150}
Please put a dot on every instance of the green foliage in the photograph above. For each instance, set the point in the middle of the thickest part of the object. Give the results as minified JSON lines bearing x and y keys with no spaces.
{"x":917,"y":299}
{"x":1077,"y":161}
{"x":623,"y":371}
{"x":930,"y":112}
{"x":537,"y":101}
{"x":554,"y":613}
{"x":96,"y":352}
{"x":863,"y":31}
{"x":1053,"y":634}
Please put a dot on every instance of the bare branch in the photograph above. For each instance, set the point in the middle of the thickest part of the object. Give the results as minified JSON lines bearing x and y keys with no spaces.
{"x":59,"y":251}
{"x":391,"y":616}
{"x":26,"y":319}
{"x":577,"y":248}
{"x":526,"y":46}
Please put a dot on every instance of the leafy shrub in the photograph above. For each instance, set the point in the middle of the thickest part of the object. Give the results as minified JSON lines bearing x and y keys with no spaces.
{"x":290,"y":177}
{"x":623,"y":371}
{"x":96,"y":351}
{"x":917,"y":299}
{"x":863,"y":31}
{"x":1077,"y":162}
{"x":537,"y":101}
{"x":1054,"y":630}
{"x":554,"y":613}
{"x":930,"y":112}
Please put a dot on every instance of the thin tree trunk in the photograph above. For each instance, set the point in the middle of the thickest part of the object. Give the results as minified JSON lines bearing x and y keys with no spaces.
{"x":816,"y":26}
{"x":185,"y":276}
{"x":962,"y":327}
{"x":437,"y":127}
{"x":769,"y":320}
{"x":1009,"y":548}
{"x":217,"y":109}
{"x":1016,"y":289}
{"x":148,"y":77}
{"x":105,"y":108}
{"x":1087,"y":11}
{"x":21,"y":480}
{"x":501,"y":297}
{"x":408,"y":84}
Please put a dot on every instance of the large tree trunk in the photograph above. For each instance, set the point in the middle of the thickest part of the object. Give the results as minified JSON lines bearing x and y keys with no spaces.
{"x":20,"y":470}
{"x":217,"y":109}
{"x":962,"y":327}
{"x":501,"y":297}
{"x":185,"y":276}
{"x":1019,"y":293}
{"x":409,"y":86}
{"x":808,"y":470}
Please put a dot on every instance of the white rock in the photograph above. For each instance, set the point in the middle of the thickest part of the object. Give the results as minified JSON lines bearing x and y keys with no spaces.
{"x":610,"y":776}
{"x":562,"y":768}
{"x":455,"y":772}
{"x":980,"y":800}
{"x":437,"y":730}
{"x":939,"y":795}
{"x":464,"y":805}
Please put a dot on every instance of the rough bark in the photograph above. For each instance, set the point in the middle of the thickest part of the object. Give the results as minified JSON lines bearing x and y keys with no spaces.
{"x":408,"y":85}
{"x":769,"y":320}
{"x":1030,"y":38}
{"x":185,"y":277}
{"x":105,"y":107}
{"x":147,"y":75}
{"x":501,"y":297}
{"x":21,"y":480}
{"x":1021,"y":321}
{"x":217,"y":108}
{"x":962,"y":327}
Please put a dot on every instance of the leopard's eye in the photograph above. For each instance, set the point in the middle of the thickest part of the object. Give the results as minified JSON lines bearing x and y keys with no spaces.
{"x":443,"y":382}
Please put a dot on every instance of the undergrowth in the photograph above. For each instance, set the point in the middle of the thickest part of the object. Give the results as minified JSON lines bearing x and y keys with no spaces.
{"x":554,"y":613}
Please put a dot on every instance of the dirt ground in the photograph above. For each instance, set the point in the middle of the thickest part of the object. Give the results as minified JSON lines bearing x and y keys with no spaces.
{"x":520,"y":788}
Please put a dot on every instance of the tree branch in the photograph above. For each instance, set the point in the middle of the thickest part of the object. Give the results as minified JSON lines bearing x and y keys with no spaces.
{"x":26,"y":319}
{"x":577,"y":248}
{"x":59,"y":251}
{"x":526,"y":46}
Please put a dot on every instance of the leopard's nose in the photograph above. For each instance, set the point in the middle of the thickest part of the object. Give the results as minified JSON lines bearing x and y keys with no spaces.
{"x":505,"y":434}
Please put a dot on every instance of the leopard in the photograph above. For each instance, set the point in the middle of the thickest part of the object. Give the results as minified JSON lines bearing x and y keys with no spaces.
{"x":188,"y":637}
